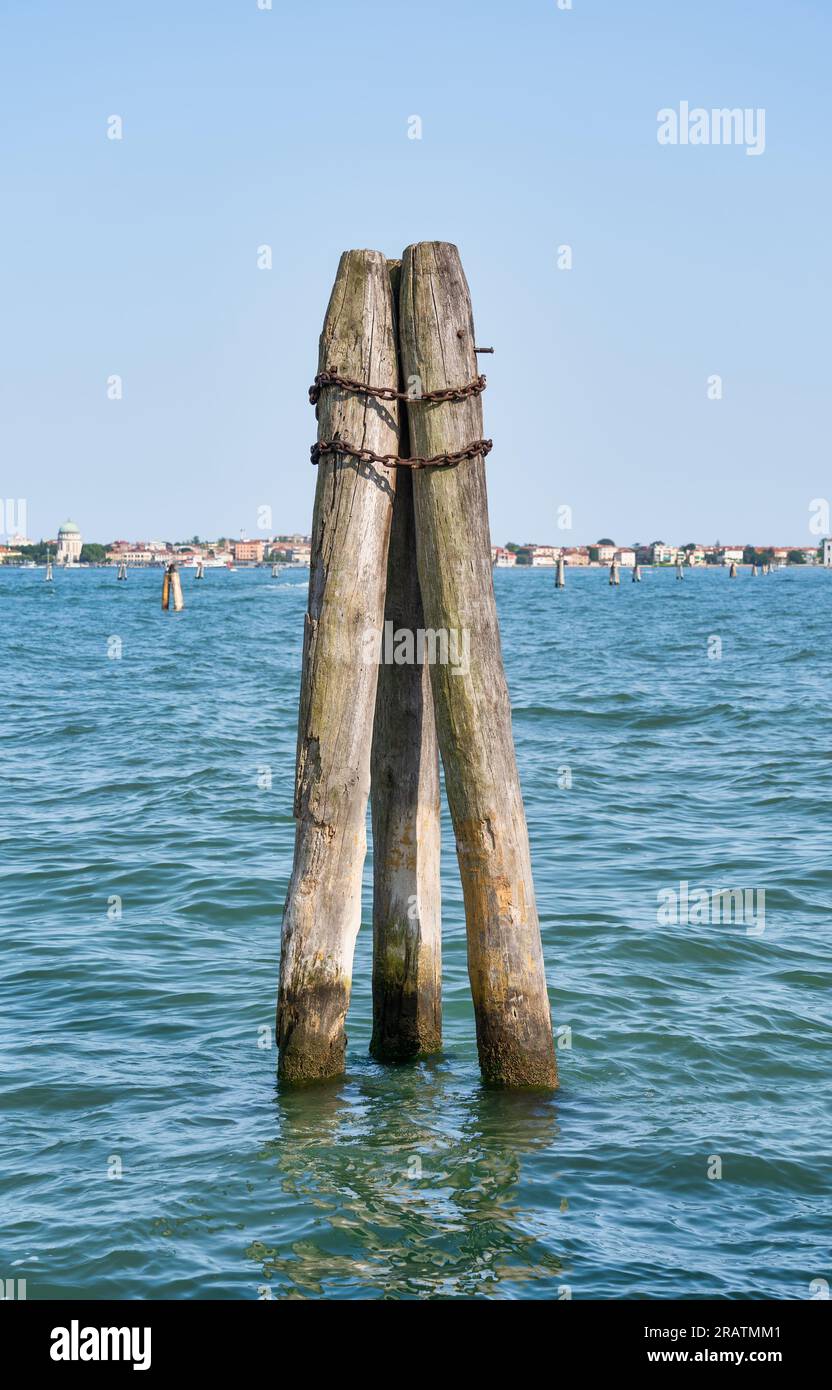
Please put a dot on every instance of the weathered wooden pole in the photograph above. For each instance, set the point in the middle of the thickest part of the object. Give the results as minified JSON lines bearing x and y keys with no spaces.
{"x":404,"y":795}
{"x":172,"y":589}
{"x":473,"y":713}
{"x":636,"y":574}
{"x":350,"y":535}
{"x":560,"y":578}
{"x":407,"y":934}
{"x":680,"y":574}
{"x":732,"y":573}
{"x":615,"y":577}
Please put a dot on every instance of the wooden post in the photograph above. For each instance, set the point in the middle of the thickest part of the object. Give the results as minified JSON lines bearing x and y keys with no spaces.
{"x":350,"y":535}
{"x":473,"y":714}
{"x":166,"y":589}
{"x":732,"y":573}
{"x":636,"y":574}
{"x":407,"y":935}
{"x":404,"y":794}
{"x":177,"y":590}
{"x":560,"y":578}
{"x":615,"y":577}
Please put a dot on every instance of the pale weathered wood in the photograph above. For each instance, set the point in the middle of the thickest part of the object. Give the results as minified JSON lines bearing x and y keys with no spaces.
{"x":350,"y":535}
{"x":407,"y":933}
{"x":473,"y":714}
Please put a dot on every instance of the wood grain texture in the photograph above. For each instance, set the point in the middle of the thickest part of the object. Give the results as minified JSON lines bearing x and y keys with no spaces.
{"x":404,"y":794}
{"x":473,"y":714}
{"x":350,"y":536}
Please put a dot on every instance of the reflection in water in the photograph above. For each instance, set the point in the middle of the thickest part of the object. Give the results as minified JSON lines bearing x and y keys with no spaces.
{"x":415,"y":1185}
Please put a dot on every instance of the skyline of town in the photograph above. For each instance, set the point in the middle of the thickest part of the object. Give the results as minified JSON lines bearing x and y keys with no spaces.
{"x":69,"y":547}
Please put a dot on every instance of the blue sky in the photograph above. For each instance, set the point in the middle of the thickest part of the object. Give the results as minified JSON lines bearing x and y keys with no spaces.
{"x":290,"y":127}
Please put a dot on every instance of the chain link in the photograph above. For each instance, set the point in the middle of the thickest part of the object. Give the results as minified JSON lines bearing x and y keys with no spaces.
{"x":480,"y":447}
{"x":340,"y":446}
{"x":389,"y":393}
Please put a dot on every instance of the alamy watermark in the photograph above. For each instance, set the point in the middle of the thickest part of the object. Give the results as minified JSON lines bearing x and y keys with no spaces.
{"x":406,"y":646}
{"x":695,"y":907}
{"x":735,"y":125}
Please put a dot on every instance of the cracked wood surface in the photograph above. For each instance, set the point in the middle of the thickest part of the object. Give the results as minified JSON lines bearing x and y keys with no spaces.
{"x":473,"y":713}
{"x":350,"y":535}
{"x":407,"y":933}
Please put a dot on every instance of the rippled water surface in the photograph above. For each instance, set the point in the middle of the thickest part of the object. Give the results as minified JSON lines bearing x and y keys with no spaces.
{"x":140,"y":1045}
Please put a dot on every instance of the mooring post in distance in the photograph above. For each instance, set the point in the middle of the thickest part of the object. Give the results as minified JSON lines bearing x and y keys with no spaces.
{"x":404,"y":795}
{"x":166,"y":589}
{"x":473,"y":713}
{"x":176,"y":589}
{"x":350,"y":535}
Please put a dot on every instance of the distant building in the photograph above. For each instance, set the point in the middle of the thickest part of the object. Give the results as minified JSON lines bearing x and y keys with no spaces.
{"x":661,"y":554}
{"x":626,"y":557}
{"x":730,"y":554}
{"x":576,"y":555}
{"x":501,"y":558}
{"x":538,"y":555}
{"x":69,"y":544}
{"x":300,"y":554}
{"x":249,"y":552}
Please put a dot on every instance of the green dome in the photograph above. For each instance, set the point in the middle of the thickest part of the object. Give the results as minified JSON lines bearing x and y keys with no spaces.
{"x":69,"y":529}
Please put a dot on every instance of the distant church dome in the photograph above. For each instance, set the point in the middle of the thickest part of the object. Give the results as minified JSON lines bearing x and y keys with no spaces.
{"x":70,"y":544}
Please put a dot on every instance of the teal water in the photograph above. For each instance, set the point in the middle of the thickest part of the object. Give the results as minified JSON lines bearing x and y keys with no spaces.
{"x":140,"y":1045}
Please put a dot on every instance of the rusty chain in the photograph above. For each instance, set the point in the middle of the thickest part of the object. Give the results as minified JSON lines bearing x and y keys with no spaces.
{"x":340,"y":446}
{"x":480,"y":447}
{"x":389,"y":393}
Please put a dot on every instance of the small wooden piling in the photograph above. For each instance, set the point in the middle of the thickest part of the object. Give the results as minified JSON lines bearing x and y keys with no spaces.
{"x":732,"y":573}
{"x":753,"y":571}
{"x":615,"y":577}
{"x":473,"y":713}
{"x":407,"y":933}
{"x":636,"y":574}
{"x":200,"y":570}
{"x":680,"y":573}
{"x":404,"y":796}
{"x":560,"y":578}
{"x":274,"y":571}
{"x":176,"y":590}
{"x":172,"y":589}
{"x":48,"y":577}
{"x":350,"y":535}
